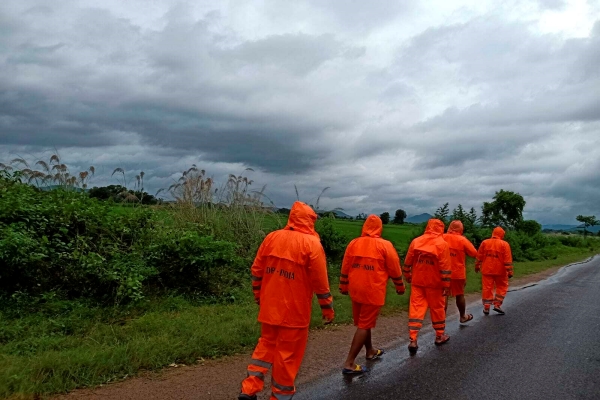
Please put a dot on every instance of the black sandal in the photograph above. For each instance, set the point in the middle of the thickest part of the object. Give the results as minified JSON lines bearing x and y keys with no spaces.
{"x":412,"y":349}
{"x":358,"y":369}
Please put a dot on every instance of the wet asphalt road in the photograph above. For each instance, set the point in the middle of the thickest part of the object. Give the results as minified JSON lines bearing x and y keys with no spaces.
{"x":547,"y":346}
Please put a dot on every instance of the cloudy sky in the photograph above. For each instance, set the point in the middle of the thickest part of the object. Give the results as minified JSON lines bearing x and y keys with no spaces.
{"x":390,"y":104}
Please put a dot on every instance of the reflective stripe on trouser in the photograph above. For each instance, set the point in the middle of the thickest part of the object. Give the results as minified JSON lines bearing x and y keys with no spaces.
{"x":422,"y":298}
{"x":487,"y":291}
{"x":282,"y":349}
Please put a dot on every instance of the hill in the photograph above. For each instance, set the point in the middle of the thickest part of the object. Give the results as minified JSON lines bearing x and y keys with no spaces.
{"x":593,"y":229}
{"x":418,"y":219}
{"x":337,"y":213}
{"x":569,"y":228}
{"x":559,"y":227}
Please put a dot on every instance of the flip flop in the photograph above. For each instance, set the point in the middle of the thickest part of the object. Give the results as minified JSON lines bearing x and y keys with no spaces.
{"x":442,"y":342}
{"x":469,"y":317}
{"x":379,"y":353}
{"x":499,"y":310}
{"x":486,"y":311}
{"x":356,"y":371}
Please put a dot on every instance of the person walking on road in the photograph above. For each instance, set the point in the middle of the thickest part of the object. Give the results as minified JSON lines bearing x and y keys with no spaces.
{"x":369,"y":261}
{"x":289,"y":267}
{"x":494,"y":259}
{"x":427,"y":267}
{"x":460,"y":247}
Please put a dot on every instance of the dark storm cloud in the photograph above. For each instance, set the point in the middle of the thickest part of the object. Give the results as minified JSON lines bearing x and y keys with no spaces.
{"x":372,"y":99}
{"x":204,"y":95}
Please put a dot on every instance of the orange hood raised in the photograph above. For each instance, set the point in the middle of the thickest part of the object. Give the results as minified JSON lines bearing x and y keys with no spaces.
{"x":302,"y":219}
{"x":498,"y":233}
{"x":435,"y":227}
{"x":456,"y":227}
{"x":372,"y":227}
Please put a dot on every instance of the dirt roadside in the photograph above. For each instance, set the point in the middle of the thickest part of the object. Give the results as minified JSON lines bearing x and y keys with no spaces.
{"x":220,"y":379}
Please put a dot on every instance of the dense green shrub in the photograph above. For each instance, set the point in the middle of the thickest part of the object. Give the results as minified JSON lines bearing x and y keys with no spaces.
{"x":194,"y":263}
{"x":572,"y":241}
{"x":65,"y":242}
{"x":334,"y":242}
{"x":529,"y":227}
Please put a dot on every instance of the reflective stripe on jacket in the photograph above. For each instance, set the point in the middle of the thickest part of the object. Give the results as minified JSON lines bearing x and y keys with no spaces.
{"x":427,"y":261}
{"x":494,"y":255}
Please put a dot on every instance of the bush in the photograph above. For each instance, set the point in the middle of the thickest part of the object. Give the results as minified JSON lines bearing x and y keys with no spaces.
{"x":334,"y":242}
{"x":572,"y":241}
{"x":195,"y":264}
{"x":65,"y":242}
{"x":529,"y":227}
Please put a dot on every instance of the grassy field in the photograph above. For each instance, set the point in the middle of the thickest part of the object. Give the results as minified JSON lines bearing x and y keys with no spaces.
{"x":399,"y":235}
{"x":64,"y":345}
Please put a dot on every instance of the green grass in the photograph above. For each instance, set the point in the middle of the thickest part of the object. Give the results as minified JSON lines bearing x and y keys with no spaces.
{"x":399,"y":235}
{"x":65,"y":345}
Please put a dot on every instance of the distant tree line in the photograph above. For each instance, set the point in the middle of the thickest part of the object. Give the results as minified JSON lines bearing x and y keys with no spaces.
{"x":120,"y":194}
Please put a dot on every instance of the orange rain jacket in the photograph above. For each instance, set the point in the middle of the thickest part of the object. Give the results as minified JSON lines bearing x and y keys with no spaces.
{"x":368,"y":263}
{"x":427,"y":261}
{"x":290,"y":265}
{"x":494,"y":256}
{"x":459,"y":248}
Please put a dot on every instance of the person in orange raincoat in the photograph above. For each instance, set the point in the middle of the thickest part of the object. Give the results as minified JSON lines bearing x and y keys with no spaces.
{"x":427,"y":267}
{"x":494,"y":259}
{"x":368,"y":263}
{"x":289,"y":267}
{"x":459,"y":248}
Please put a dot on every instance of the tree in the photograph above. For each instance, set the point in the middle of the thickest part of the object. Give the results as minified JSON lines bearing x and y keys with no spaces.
{"x":107,"y":192}
{"x":362,"y":216}
{"x":472,"y":216}
{"x":506,"y":210}
{"x":530,"y":227}
{"x":118,"y":194}
{"x":459,"y":214}
{"x":385,"y":218}
{"x":589,"y":220}
{"x":442,"y":213}
{"x":399,"y":217}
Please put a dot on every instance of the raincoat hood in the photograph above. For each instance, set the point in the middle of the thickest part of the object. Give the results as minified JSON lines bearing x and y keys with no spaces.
{"x":372,"y":227}
{"x":434,"y":227}
{"x":302,"y":219}
{"x":498,"y":233}
{"x":456,"y":227}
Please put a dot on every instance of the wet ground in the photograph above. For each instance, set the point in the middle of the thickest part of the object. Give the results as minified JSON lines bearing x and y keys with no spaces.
{"x":547,"y":346}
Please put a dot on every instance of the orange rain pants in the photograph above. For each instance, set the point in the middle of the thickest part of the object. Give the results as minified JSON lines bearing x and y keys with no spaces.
{"x":422,"y":298}
{"x":487,"y":292}
{"x":282,"y":349}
